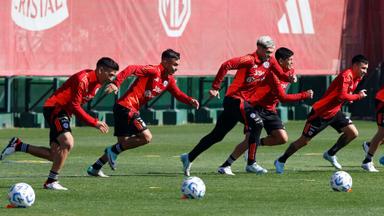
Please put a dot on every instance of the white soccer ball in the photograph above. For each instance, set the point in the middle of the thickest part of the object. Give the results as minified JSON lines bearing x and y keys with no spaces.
{"x":341,"y":181}
{"x":193,"y":188}
{"x":21,"y":195}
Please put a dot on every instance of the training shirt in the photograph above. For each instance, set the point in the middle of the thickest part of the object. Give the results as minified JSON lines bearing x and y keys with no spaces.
{"x":380,"y":94}
{"x":250,"y":71}
{"x":340,"y":91}
{"x":76,"y":91}
{"x":150,"y":82}
{"x":271,"y":90}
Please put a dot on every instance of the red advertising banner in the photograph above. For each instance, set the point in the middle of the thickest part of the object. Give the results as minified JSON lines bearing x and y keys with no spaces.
{"x":61,"y":37}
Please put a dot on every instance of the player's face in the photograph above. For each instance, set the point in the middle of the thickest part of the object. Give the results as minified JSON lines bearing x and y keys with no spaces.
{"x":171,"y":65}
{"x":264,"y":53}
{"x":286,"y":63}
{"x":106,"y":75}
{"x":361,"y":69}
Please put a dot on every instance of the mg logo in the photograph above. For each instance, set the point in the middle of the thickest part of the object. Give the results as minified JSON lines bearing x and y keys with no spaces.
{"x":174,"y":15}
{"x":300,"y":18}
{"x":37,"y":15}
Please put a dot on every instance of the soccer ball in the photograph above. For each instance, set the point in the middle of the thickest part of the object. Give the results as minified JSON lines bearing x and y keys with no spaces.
{"x":21,"y":195}
{"x":341,"y":181}
{"x":193,"y":188}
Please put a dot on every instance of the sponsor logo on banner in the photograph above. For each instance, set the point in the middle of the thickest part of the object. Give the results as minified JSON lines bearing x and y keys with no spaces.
{"x":37,"y":15}
{"x":174,"y":16}
{"x":300,"y":18}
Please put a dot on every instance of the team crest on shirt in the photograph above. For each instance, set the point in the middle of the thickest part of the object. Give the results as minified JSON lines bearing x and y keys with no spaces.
{"x":148,"y":93}
{"x":157,"y":89}
{"x":165,"y":83}
{"x":266,"y":64}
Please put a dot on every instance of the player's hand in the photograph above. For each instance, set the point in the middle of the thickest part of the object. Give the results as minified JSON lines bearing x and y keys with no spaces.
{"x":195,"y":103}
{"x":102,"y":126}
{"x":111,"y":87}
{"x":363,"y":93}
{"x":214,"y":93}
{"x":310,"y":92}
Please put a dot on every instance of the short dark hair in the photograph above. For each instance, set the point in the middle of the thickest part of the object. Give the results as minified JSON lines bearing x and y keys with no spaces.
{"x":283,"y":53}
{"x":359,"y":59}
{"x":170,"y":54}
{"x":108,"y":63}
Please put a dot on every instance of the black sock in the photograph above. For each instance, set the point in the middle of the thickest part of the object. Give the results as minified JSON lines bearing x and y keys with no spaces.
{"x":368,"y":158}
{"x":52,"y":177}
{"x":288,"y":153}
{"x":117,"y":148}
{"x":229,"y":161}
{"x":341,"y":142}
{"x":98,"y":164}
{"x":23,"y":147}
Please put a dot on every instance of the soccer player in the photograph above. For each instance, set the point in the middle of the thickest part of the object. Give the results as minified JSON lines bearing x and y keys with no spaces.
{"x":266,"y":100}
{"x":130,"y":129}
{"x":327,"y":111}
{"x":371,"y":147}
{"x":58,"y":108}
{"x":251,"y":70}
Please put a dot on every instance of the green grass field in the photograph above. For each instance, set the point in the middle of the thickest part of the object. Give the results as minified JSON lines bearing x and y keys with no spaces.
{"x":148,"y":179}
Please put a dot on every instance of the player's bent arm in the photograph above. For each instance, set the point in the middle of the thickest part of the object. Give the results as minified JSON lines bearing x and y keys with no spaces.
{"x":181,"y":96}
{"x":124,"y":74}
{"x":235,"y":63}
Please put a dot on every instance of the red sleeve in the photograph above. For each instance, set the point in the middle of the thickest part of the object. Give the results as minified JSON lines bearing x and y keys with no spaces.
{"x":280,"y":92}
{"x":177,"y":93}
{"x":279,"y":72}
{"x":79,"y":89}
{"x":136,"y":70}
{"x":344,"y":95}
{"x":235,"y":63}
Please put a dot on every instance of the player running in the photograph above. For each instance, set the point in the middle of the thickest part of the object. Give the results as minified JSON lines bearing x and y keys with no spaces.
{"x":265,"y":101}
{"x":130,"y":130}
{"x":327,"y":111}
{"x":251,"y":70}
{"x":371,"y":147}
{"x":58,"y":109}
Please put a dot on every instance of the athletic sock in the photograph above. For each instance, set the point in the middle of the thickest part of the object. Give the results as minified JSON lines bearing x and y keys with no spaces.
{"x":229,"y":161}
{"x":52,"y":177}
{"x":290,"y":151}
{"x":368,"y":158}
{"x":23,"y":147}
{"x":98,"y":164}
{"x":117,"y":148}
{"x":341,"y":142}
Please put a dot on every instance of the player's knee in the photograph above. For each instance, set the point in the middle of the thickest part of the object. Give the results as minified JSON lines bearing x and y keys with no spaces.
{"x":65,"y":141}
{"x":282,"y":139}
{"x":67,"y":144}
{"x":353,"y":134}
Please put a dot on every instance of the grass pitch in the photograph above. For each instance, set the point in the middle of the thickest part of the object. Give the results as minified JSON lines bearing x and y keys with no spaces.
{"x":148,"y":179}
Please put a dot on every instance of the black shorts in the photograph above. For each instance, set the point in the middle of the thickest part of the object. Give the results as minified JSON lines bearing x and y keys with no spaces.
{"x":237,"y":110}
{"x":127,"y":122}
{"x":379,"y":113}
{"x":58,"y":121}
{"x":271,"y":120}
{"x":315,"y":125}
